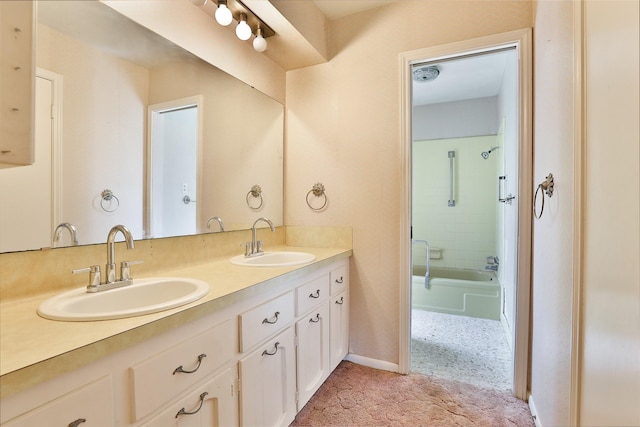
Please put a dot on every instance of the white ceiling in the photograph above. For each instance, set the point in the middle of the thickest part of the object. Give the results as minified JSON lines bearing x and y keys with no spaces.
{"x":334,"y":9}
{"x":469,"y":78}
{"x":460,"y":79}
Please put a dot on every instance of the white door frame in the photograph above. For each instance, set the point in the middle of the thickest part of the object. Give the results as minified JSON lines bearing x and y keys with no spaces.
{"x":56,"y":145}
{"x":521,"y":39}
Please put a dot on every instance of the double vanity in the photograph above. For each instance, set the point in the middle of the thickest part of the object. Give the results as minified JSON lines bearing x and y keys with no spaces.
{"x":251,"y":350}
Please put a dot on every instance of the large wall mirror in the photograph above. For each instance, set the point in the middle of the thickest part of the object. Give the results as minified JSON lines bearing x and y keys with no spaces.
{"x":132,"y":129}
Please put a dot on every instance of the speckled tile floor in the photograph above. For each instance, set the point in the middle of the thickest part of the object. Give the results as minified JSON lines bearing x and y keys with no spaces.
{"x":466,"y":349}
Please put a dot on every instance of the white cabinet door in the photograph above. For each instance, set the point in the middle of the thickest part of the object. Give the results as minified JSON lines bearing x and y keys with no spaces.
{"x":90,"y":405}
{"x":313,"y":352}
{"x":339,"y":345}
{"x":211,"y":404}
{"x":268,"y":383}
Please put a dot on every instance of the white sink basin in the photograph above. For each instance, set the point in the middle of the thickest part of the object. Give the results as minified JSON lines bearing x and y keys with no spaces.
{"x":144,"y":296}
{"x":274,"y":259}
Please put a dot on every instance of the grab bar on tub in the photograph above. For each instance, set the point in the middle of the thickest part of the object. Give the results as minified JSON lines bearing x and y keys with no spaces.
{"x":428,"y":263}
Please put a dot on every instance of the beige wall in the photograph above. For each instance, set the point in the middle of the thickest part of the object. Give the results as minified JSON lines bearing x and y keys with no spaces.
{"x":103,"y":123}
{"x":343,"y":129}
{"x":610,"y":371}
{"x":553,"y":233}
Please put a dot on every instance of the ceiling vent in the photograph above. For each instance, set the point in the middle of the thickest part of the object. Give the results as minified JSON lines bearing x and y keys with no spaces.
{"x":426,"y":74}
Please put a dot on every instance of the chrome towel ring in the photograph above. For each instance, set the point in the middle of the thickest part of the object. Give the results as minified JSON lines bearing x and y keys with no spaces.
{"x":107,"y":201}
{"x":256,"y":193}
{"x":547,"y":188}
{"x":317,"y":191}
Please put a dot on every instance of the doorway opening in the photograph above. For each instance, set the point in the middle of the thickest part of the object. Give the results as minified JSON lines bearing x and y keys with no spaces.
{"x":467,"y":145}
{"x":173,"y":153}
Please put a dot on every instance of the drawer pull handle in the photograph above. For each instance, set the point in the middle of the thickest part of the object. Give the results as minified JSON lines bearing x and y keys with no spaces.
{"x":77,"y":422}
{"x":182,"y":370}
{"x":341,"y":301}
{"x":184,"y":412}
{"x":271,"y":322}
{"x":315,"y":319}
{"x":340,"y":280}
{"x":317,"y":295}
{"x":274,"y":351}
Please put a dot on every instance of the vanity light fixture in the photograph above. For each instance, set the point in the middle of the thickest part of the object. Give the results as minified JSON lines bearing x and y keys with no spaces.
{"x":228,"y":10}
{"x":243,"y":30}
{"x":223,"y":13}
{"x":259,"y":43}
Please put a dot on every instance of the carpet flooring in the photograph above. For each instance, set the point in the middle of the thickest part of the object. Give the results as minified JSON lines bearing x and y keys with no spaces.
{"x":356,"y":395}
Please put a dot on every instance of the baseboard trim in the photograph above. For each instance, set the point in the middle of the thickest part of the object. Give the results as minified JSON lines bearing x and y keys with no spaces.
{"x":534,"y":413}
{"x":372,"y":363}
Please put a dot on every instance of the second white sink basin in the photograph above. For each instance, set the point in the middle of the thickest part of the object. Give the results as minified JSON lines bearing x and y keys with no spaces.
{"x":274,"y":259}
{"x":144,"y":296}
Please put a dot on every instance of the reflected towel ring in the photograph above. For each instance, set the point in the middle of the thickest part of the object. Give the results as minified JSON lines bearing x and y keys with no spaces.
{"x":547,"y":187}
{"x":255,"y":192}
{"x":108,"y":196}
{"x":317,"y":191}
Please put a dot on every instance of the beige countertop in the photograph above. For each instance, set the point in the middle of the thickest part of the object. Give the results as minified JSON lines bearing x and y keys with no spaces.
{"x":34,"y":349}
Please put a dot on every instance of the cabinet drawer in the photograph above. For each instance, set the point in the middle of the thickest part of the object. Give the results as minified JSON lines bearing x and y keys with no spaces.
{"x":213,"y":403}
{"x":339,"y":279}
{"x":90,"y":405}
{"x":263,"y":321}
{"x":160,"y":378}
{"x":311,"y":294}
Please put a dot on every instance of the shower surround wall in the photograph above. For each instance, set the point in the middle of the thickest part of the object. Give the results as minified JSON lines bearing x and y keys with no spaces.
{"x":466,"y":232}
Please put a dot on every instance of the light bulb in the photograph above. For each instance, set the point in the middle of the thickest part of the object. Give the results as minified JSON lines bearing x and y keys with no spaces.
{"x":223,"y":15}
{"x":243,"y":30}
{"x":259,"y":43}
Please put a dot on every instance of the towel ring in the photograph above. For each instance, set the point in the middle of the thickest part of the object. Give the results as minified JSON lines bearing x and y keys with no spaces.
{"x":317,"y":191}
{"x":547,"y":187}
{"x":255,"y":192}
{"x":108,"y":196}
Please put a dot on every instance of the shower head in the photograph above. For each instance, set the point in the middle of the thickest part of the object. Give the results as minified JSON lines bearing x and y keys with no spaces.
{"x":485,"y":154}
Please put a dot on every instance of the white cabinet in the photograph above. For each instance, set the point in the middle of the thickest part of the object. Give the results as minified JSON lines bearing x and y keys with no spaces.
{"x":243,"y":364}
{"x":339,"y":306}
{"x":90,"y":405}
{"x":313,"y":368}
{"x":339,"y":345}
{"x":159,"y":378}
{"x":213,"y":403}
{"x":17,"y":77}
{"x":268,"y":383}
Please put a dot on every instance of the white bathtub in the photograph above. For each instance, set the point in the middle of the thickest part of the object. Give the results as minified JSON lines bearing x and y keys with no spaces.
{"x":473,"y":293}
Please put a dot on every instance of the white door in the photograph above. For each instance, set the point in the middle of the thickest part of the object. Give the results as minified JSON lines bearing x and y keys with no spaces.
{"x":22,"y":187}
{"x":174,"y":169}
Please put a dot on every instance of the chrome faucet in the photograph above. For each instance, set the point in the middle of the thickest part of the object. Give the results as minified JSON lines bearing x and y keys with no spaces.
{"x":73,"y":232}
{"x":254,"y":247}
{"x":110,"y":275}
{"x":218,"y":219}
{"x":111,"y":250}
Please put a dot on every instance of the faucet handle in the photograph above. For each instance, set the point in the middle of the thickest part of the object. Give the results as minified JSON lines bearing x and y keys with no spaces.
{"x":94,"y":276}
{"x":125,"y":270}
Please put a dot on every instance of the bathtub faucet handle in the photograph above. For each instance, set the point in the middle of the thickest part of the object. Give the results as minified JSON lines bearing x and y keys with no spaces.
{"x":493,"y":260}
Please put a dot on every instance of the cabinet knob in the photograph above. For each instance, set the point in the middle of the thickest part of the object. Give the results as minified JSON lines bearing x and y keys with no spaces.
{"x":341,"y":301}
{"x":77,"y":422}
{"x":317,"y":295}
{"x":340,"y":280}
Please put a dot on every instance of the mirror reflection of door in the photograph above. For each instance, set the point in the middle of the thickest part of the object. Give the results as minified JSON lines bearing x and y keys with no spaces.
{"x":174,"y":147}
